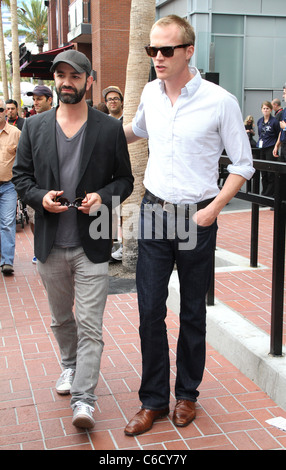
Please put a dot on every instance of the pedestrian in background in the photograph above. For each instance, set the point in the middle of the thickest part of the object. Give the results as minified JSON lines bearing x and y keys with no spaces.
{"x":268,"y":132}
{"x":12,"y":114}
{"x":281,"y":141}
{"x":43,"y":101}
{"x":9,"y":138}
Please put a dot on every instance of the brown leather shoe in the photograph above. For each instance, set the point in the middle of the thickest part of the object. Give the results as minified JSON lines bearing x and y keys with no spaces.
{"x":143,"y":421}
{"x":184,"y":413}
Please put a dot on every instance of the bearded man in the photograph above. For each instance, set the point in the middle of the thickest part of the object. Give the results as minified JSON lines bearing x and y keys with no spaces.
{"x":79,"y":152}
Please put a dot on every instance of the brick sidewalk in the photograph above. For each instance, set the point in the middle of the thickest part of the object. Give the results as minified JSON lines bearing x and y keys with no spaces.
{"x":231,"y":409}
{"x":248,"y":292}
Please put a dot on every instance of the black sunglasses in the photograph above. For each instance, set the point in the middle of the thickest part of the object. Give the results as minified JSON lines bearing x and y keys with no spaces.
{"x":1,"y":110}
{"x":65,"y":202}
{"x":166,"y":51}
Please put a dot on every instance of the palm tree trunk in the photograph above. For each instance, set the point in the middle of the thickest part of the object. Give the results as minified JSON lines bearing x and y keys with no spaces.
{"x":142,"y":17}
{"x":15,"y":53}
{"x":3,"y":59}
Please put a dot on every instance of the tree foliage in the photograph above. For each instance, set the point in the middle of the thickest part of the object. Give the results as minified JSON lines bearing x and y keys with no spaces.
{"x":33,"y":23}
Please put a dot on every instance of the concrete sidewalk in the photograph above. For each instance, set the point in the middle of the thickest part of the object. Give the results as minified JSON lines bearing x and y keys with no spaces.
{"x":232,"y":408}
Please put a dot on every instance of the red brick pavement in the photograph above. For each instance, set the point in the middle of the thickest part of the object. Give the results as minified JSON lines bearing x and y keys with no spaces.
{"x":248,"y":292}
{"x":231,"y":410}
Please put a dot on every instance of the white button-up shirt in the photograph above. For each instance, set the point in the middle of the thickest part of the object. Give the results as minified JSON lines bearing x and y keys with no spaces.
{"x":186,"y":140}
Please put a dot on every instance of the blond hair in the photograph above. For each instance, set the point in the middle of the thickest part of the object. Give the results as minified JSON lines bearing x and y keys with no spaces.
{"x":249,"y":118}
{"x":188,"y":32}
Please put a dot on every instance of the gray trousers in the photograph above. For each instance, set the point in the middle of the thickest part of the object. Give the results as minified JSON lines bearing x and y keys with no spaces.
{"x":69,"y":276}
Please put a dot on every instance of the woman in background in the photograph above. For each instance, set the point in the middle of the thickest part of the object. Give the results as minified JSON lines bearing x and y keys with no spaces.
{"x":268,"y":131}
{"x":250,"y":130}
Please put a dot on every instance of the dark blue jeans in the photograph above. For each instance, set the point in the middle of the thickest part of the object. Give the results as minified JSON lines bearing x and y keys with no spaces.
{"x":157,"y":256}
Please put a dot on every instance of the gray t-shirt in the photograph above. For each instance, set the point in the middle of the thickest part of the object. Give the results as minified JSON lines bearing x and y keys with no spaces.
{"x":69,"y":153}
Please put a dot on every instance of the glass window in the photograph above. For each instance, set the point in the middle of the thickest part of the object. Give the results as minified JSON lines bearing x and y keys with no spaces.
{"x":228,"y":60}
{"x":227,"y":24}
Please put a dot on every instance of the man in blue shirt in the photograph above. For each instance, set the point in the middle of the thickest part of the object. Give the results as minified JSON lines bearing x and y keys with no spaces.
{"x":283,"y":137}
{"x":281,"y":142}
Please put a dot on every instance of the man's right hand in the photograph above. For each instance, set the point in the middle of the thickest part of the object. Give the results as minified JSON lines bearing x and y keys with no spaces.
{"x":51,"y":205}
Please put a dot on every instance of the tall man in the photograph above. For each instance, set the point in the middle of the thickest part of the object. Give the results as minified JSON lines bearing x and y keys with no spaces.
{"x":79,"y":152}
{"x":9,"y":138}
{"x":12,"y":114}
{"x":188,"y":122}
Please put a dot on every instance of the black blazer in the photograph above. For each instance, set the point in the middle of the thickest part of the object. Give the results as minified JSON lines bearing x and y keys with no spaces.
{"x":104,"y":168}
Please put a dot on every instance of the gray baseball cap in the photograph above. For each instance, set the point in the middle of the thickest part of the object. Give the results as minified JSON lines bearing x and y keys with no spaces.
{"x":77,"y":60}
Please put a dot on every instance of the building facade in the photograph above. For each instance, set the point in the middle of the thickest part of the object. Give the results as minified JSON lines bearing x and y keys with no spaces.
{"x":243,"y":42}
{"x":98,"y":28}
{"x":240,"y":43}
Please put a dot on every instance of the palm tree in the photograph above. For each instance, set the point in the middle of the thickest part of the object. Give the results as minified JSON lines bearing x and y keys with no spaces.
{"x":15,"y":52}
{"x":34,"y":21}
{"x":142,"y":17}
{"x":2,"y":54}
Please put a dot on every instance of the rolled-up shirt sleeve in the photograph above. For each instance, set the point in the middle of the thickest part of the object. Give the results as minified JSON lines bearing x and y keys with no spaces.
{"x":234,"y":137}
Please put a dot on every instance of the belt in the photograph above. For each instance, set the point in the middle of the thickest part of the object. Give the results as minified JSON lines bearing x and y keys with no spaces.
{"x":156,"y":200}
{"x":4,"y":182}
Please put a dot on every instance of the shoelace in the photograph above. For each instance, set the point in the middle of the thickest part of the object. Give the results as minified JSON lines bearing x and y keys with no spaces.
{"x":67,"y":374}
{"x":83,"y":407}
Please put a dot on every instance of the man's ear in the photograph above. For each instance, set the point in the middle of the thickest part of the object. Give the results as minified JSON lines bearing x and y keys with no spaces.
{"x":190,"y":52}
{"x":89,"y":82}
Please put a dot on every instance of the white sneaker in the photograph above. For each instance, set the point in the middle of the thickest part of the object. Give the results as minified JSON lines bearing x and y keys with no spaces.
{"x":117,"y":255}
{"x":82,"y":415}
{"x":64,"y":383}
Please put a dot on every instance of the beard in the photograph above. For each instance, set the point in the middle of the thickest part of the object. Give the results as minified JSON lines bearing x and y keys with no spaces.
{"x":69,"y":98}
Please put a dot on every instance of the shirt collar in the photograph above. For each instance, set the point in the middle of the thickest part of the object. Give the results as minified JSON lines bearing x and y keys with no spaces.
{"x":191,"y":87}
{"x":6,"y":128}
{"x":194,"y":84}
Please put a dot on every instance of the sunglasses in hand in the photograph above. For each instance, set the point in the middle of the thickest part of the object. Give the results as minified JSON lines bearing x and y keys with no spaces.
{"x":65,"y":202}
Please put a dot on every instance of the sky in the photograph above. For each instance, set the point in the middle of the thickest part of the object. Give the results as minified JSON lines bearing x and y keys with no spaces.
{"x":25,"y":86}
{"x":7,"y":25}
{"x":5,"y":18}
{"x":6,"y":14}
